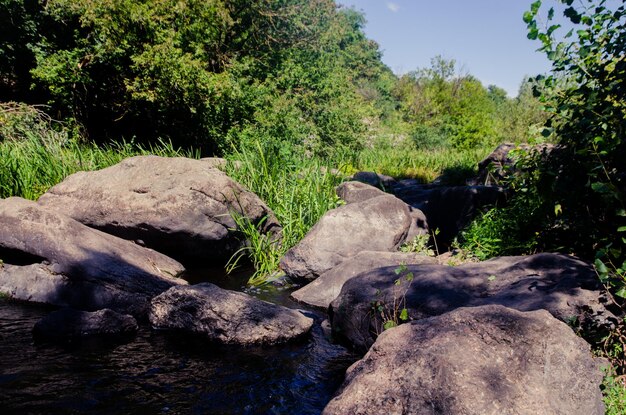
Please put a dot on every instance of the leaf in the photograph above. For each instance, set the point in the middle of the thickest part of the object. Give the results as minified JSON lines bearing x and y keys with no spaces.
{"x":404,"y":314}
{"x":558,"y":209}
{"x":409,"y":276}
{"x":389,"y":324}
{"x":551,"y":13}
{"x":572,"y":14}
{"x":621,"y":229}
{"x":491,"y":278}
{"x":397,"y":282}
{"x":528,"y":17}
{"x":534,"y":7}
{"x":621,"y":292}
{"x":600,"y":267}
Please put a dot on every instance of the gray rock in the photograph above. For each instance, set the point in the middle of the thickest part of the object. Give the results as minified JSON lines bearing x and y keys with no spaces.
{"x":488,"y":360}
{"x":354,"y":192}
{"x":378,"y":224}
{"x":226,"y":317}
{"x":321,"y":292}
{"x":374,"y":179}
{"x":51,"y":258}
{"x":566,"y":287}
{"x":178,"y":206}
{"x":68,"y":325}
{"x":500,"y":163}
{"x":450,"y":209}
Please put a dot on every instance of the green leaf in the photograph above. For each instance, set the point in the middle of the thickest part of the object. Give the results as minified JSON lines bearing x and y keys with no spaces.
{"x":528,"y":17}
{"x":409,"y":276}
{"x":491,"y":278}
{"x":621,"y":292}
{"x":404,"y":314}
{"x":534,"y":7}
{"x":558,"y":209}
{"x":621,"y":229}
{"x":551,"y":13}
{"x":572,"y":14}
{"x":600,"y":267}
{"x":389,"y":324}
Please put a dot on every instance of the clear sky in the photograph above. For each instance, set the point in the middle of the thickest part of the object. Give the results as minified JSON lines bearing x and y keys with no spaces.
{"x":487,"y":38}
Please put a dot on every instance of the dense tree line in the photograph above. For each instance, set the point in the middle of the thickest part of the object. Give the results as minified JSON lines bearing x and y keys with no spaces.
{"x":219,"y":73}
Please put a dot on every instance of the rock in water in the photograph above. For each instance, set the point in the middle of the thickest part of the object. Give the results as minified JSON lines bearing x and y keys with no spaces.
{"x":378,"y":224}
{"x":565,"y":286}
{"x":51,"y":258}
{"x":178,"y":206}
{"x":226,"y":317}
{"x":68,"y":325}
{"x":488,"y":360}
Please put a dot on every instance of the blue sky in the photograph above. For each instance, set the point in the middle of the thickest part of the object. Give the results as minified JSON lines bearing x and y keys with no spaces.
{"x":487,"y":38}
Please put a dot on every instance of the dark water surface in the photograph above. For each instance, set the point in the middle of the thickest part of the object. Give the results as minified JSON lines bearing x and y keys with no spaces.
{"x":160,"y":373}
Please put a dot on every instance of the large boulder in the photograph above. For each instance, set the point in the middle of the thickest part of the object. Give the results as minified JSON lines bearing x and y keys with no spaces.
{"x":449,"y":209}
{"x":226,"y":317}
{"x":321,"y":292}
{"x":354,"y":192}
{"x":378,"y":224}
{"x":178,"y":206}
{"x":71,"y":325}
{"x":566,"y":287}
{"x":50,"y":258}
{"x":488,"y":360}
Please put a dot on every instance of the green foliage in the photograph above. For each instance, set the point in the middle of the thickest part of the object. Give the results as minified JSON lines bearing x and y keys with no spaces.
{"x":614,"y":392}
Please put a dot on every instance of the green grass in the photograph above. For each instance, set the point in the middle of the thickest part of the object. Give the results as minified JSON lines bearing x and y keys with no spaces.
{"x":299,"y":191}
{"x":28,"y":168}
{"x":424,"y":165}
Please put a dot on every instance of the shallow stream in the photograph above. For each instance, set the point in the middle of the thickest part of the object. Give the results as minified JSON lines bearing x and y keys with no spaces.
{"x":163,"y":373}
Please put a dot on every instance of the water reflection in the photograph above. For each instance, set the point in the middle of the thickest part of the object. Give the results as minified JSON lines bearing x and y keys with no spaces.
{"x":157,"y":372}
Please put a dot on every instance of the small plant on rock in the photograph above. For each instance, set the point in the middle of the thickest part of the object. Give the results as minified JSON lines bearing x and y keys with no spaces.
{"x":393,"y":313}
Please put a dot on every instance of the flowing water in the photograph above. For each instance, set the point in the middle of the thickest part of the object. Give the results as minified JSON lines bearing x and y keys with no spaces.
{"x":163,"y":373}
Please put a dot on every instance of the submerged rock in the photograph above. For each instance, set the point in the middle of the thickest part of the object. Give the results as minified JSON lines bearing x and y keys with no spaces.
{"x":53,"y":259}
{"x":381,"y":223}
{"x":178,"y":206}
{"x":68,"y":324}
{"x":487,"y":360}
{"x":226,"y":317}
{"x":565,"y":286}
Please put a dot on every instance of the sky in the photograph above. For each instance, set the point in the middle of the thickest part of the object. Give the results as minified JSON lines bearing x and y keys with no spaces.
{"x":487,"y":38}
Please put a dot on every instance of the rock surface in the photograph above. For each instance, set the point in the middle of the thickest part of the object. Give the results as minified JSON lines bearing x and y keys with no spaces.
{"x":488,"y":360}
{"x":321,"y":292}
{"x":178,"y":206}
{"x":374,"y":179}
{"x":354,"y":192}
{"x":449,"y":209}
{"x":566,"y":287}
{"x":226,"y":317}
{"x":378,"y":224}
{"x":68,"y":324}
{"x":51,"y":258}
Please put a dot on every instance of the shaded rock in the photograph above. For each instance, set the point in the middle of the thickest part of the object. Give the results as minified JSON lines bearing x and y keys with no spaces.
{"x":321,"y":292}
{"x":374,"y":179}
{"x":178,"y":206}
{"x":68,"y":324}
{"x":450,"y":209}
{"x":499,"y":164}
{"x":488,"y":360}
{"x":226,"y":317}
{"x":51,"y":258}
{"x":354,"y":192}
{"x":566,"y":287}
{"x":378,"y":224}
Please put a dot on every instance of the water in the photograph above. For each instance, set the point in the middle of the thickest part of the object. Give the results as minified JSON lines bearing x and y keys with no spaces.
{"x":161,"y":373}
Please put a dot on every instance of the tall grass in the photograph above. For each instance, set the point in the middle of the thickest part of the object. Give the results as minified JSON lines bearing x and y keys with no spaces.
{"x":298,"y":189}
{"x":425,"y":165}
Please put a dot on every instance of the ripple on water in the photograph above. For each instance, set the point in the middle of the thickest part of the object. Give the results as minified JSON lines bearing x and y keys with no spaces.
{"x":157,"y":372}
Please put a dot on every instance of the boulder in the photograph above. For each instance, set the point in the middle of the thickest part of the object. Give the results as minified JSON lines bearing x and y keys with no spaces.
{"x":226,"y":317}
{"x":321,"y":292}
{"x":354,"y":192}
{"x":178,"y":206}
{"x":374,"y":179}
{"x":499,"y":164}
{"x":565,"y":286}
{"x":378,"y":224}
{"x":69,"y":325}
{"x":450,"y":209}
{"x":487,"y":360}
{"x":50,"y":258}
